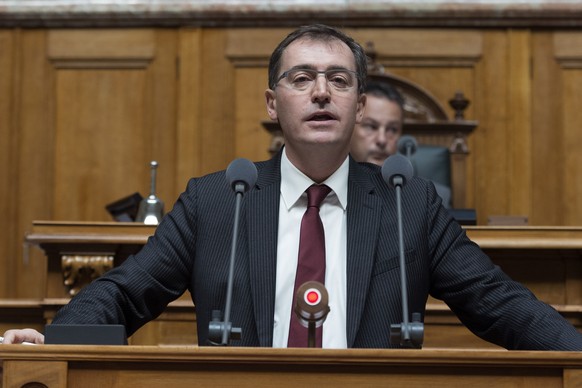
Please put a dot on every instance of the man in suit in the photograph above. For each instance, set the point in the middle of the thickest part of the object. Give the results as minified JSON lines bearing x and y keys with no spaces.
{"x":316,"y":91}
{"x":376,"y":137}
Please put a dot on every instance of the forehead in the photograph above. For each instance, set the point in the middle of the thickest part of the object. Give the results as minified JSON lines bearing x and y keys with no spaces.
{"x":382,"y":107}
{"x":318,"y":54}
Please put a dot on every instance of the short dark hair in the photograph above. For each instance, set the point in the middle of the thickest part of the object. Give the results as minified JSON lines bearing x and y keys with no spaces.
{"x":385,"y":90}
{"x":323,"y":33}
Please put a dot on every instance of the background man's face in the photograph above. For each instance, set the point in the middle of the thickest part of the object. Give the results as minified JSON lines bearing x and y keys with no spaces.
{"x":376,"y":136}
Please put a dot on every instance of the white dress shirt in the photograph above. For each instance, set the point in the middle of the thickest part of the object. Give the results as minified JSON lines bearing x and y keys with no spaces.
{"x":293,"y":204}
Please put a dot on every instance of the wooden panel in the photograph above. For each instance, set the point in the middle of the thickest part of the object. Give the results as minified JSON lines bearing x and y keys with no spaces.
{"x":188,"y":139}
{"x":8,"y":174}
{"x":252,"y":140}
{"x":36,"y":156}
{"x":572,"y":140}
{"x":518,"y":140}
{"x":115,"y":97}
{"x":217,"y":121}
{"x":556,"y":124}
{"x":83,"y":45}
{"x":20,"y":313}
{"x":444,"y":330}
{"x":99,"y":161}
{"x":37,"y":374}
{"x":253,"y":46}
{"x":95,"y":107}
{"x":569,"y":56}
{"x":572,"y":378}
{"x":547,"y":133}
{"x":249,"y":52}
{"x":426,"y":47}
{"x":488,"y":145}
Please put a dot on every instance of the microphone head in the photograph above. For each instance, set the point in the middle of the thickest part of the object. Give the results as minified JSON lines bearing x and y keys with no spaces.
{"x":407,"y":145}
{"x":396,"y":166}
{"x":312,"y":303}
{"x":241,"y":174}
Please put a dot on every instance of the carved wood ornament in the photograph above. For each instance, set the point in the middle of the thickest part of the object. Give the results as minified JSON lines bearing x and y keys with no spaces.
{"x":80,"y":270}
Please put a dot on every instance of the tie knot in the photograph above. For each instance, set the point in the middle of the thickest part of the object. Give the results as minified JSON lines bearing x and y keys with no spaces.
{"x":316,"y":195}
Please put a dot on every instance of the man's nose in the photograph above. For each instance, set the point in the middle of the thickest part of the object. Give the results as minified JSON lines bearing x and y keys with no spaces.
{"x":381,"y":137}
{"x":320,"y":90}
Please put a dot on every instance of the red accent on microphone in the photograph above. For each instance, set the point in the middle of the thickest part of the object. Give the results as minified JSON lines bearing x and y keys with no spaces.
{"x":312,"y":296}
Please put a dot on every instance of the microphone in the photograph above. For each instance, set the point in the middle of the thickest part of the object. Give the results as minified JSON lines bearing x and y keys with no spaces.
{"x":241,"y":175}
{"x":397,"y":171}
{"x":311,"y":307}
{"x":407,"y":145}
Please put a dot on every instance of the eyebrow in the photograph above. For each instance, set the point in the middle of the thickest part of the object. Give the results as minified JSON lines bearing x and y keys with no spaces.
{"x":311,"y":67}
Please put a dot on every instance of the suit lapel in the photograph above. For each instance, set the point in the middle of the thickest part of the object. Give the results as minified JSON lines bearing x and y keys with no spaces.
{"x":262,"y":223}
{"x":363,"y":218}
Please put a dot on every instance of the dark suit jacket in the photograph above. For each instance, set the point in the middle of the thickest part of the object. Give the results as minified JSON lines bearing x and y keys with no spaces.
{"x":191,"y":250}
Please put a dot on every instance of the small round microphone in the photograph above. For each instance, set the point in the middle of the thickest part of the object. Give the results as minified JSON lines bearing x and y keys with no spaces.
{"x":241,"y":174}
{"x":312,"y":303}
{"x":407,"y":145}
{"x":397,"y":170}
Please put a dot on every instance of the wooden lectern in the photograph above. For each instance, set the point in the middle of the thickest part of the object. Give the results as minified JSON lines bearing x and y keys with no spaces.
{"x":150,"y":366}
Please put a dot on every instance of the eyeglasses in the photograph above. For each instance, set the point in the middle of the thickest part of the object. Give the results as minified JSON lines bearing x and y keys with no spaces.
{"x":303,"y":79}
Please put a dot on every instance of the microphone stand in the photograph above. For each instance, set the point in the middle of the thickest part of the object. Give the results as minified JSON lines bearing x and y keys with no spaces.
{"x":311,"y":314}
{"x":407,"y":334}
{"x":223,"y":329}
{"x":409,"y":150}
{"x":311,"y":334}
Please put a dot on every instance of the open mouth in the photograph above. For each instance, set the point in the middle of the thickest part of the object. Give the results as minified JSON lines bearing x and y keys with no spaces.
{"x":321,"y":117}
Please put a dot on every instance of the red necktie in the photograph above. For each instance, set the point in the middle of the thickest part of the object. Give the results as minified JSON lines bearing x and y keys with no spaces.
{"x":311,"y":262}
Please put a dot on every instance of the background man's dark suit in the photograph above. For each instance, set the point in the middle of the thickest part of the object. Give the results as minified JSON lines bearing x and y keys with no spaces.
{"x":191,"y":247}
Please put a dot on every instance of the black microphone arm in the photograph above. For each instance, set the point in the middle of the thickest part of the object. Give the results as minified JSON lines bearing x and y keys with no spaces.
{"x":242,"y":176}
{"x":396,"y":171}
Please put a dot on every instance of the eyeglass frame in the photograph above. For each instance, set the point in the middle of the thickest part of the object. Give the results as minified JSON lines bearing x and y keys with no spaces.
{"x":353,"y":73}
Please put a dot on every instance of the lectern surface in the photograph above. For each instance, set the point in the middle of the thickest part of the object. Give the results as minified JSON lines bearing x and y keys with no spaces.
{"x":149,"y":366}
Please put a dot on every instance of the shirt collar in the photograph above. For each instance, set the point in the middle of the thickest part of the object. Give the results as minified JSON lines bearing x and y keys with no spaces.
{"x":294,"y":182}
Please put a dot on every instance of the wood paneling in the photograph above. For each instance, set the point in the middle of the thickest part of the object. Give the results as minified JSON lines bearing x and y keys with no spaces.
{"x":547,"y":124}
{"x":217,"y":105}
{"x":9,"y":76}
{"x":92,"y":108}
{"x":518,"y":134}
{"x":556,"y":120}
{"x":568,"y":54}
{"x":83,"y":111}
{"x":36,"y":133}
{"x":188,"y":137}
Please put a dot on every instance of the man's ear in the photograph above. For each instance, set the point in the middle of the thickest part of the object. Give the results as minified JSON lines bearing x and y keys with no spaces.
{"x":361,"y":107}
{"x":271,"y":100}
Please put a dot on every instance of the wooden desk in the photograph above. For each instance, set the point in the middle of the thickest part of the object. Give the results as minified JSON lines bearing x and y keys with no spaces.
{"x":93,"y":245}
{"x":546,"y":259}
{"x":131,"y":366}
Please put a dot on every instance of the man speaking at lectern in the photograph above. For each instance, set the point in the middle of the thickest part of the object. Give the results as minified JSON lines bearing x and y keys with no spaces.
{"x":316,"y":92}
